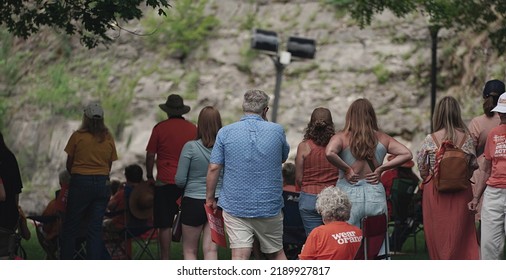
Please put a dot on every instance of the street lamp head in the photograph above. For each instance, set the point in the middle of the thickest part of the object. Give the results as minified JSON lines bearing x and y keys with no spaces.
{"x":265,"y":40}
{"x":301,"y":47}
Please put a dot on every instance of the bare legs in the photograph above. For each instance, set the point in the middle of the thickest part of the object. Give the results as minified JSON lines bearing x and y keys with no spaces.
{"x":191,"y":237}
{"x":165,"y":238}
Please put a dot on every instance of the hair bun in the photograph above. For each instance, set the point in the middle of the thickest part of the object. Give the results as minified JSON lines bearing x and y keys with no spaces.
{"x":493,"y":86}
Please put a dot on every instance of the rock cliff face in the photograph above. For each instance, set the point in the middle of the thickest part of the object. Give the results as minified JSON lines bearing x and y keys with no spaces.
{"x":388,"y":63}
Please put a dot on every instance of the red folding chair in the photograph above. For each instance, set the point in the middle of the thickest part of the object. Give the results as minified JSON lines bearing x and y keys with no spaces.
{"x":375,"y":234}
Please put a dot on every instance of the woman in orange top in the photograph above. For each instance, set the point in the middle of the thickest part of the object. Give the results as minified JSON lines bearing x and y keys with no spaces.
{"x":336,"y":239}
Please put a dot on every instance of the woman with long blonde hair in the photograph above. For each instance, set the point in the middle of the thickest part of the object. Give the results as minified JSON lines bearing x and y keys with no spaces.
{"x":449,"y":227}
{"x":358,"y":151}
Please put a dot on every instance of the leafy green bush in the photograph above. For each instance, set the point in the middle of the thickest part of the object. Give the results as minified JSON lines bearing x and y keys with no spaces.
{"x":192,"y":85}
{"x":184,"y":29}
{"x":10,"y":62}
{"x":56,"y":90}
{"x":381,"y":73}
{"x":116,"y":103}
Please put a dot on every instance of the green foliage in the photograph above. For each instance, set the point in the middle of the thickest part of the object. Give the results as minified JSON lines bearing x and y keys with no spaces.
{"x":10,"y":73}
{"x":115,"y":103}
{"x":10,"y":62}
{"x":192,"y":85}
{"x":489,"y":16}
{"x":91,"y":20}
{"x":249,"y":22}
{"x":381,"y":73}
{"x":56,"y":91}
{"x":247,"y":57}
{"x":4,"y":105}
{"x":185,"y":28}
{"x":341,"y":4}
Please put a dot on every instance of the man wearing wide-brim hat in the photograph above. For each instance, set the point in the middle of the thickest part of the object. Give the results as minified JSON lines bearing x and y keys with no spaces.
{"x":165,"y":144}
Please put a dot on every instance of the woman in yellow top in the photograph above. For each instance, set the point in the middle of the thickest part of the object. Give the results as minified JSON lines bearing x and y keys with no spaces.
{"x":90,"y":153}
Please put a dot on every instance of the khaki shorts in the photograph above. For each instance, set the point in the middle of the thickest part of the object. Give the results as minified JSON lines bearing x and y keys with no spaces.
{"x":268,"y":231}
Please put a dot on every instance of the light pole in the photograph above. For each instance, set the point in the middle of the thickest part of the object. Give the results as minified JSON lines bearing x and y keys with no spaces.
{"x":434,"y":30}
{"x":268,"y":42}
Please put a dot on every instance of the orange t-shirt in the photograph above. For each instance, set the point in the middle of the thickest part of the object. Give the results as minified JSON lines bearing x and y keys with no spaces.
{"x":332,"y":241}
{"x":495,"y":151}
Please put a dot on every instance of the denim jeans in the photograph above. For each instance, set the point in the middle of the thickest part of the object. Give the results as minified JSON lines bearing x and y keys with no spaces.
{"x":310,"y":218}
{"x":87,"y":201}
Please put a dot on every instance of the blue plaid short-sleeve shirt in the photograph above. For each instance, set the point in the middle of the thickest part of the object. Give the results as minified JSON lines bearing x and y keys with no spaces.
{"x":251,"y":152}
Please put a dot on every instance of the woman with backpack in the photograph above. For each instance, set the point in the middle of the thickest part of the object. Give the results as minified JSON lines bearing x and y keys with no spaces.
{"x":450,"y":232}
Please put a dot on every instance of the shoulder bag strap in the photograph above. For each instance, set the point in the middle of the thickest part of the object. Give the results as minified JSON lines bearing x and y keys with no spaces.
{"x":463,"y":141}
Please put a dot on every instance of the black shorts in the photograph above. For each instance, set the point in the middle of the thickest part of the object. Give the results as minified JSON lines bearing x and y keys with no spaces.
{"x":193,"y":212}
{"x":165,"y":206}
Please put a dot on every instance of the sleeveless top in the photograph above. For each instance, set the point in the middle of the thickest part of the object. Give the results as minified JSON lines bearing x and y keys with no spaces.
{"x":348,"y":157}
{"x":318,"y":172}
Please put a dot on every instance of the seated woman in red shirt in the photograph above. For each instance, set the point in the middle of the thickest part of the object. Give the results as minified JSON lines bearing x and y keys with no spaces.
{"x":335,"y":239}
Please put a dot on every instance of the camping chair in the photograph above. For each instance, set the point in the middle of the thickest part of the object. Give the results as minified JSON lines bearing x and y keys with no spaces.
{"x":119,"y":243}
{"x":294,"y":235}
{"x":143,"y":237}
{"x":50,"y":246}
{"x":139,"y":232}
{"x":406,"y":221}
{"x":374,"y":236}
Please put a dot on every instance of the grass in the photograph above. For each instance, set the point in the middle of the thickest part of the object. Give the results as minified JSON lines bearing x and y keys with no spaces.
{"x":35,"y":252}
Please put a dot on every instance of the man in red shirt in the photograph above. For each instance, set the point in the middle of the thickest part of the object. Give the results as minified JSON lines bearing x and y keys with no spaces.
{"x":165,"y":144}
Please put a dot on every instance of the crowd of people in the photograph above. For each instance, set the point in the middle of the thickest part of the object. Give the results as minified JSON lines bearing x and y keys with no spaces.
{"x":338,"y":178}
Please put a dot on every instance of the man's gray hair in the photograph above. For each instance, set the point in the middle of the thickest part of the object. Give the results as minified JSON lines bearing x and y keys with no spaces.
{"x":255,"y":101}
{"x":333,"y":204}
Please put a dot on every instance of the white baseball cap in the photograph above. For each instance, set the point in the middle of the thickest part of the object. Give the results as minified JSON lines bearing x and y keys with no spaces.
{"x":501,"y":104}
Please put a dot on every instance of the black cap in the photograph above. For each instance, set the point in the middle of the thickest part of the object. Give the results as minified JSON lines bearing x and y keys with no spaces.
{"x":493,"y":86}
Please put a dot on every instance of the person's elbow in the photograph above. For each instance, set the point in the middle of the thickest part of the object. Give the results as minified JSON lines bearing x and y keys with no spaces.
{"x":329,"y":154}
{"x":180,"y":181}
{"x":214,"y":167}
{"x":409,"y":155}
